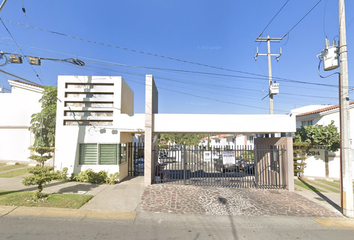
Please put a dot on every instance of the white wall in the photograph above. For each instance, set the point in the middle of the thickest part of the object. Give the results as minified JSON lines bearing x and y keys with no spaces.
{"x":69,"y":138}
{"x":223,"y":123}
{"x":16,"y":110}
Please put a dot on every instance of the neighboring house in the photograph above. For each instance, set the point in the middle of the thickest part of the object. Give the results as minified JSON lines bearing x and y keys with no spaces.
{"x":16,"y":110}
{"x":230,"y":141}
{"x":323,"y":164}
{"x":95,"y":124}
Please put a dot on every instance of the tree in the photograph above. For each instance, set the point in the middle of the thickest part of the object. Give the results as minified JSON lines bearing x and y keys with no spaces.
{"x":43,"y":127}
{"x":326,"y":136}
{"x":315,"y":135}
{"x":43,"y":123}
{"x":40,"y":177}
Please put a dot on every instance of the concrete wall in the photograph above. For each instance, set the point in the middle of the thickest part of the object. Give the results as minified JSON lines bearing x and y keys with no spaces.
{"x":316,"y":165}
{"x":16,"y":110}
{"x":120,"y":130}
{"x":151,"y":108}
{"x":286,"y":165}
{"x":223,"y":123}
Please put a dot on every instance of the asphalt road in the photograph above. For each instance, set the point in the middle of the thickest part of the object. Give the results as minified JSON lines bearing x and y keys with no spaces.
{"x":174,"y":227}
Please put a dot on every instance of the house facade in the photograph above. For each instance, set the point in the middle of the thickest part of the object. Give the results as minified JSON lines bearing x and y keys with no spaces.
{"x":323,"y":163}
{"x":95,"y":123}
{"x":17,"y":108}
{"x":230,"y":141}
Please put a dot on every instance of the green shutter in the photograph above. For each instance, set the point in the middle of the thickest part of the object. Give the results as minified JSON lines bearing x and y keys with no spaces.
{"x":108,"y":154}
{"x":88,"y":154}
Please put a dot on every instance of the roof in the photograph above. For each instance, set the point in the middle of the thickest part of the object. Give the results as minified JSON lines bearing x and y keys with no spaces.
{"x":34,"y":85}
{"x":321,"y":110}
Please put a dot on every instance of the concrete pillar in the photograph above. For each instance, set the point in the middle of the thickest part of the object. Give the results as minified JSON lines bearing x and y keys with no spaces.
{"x":151,"y":107}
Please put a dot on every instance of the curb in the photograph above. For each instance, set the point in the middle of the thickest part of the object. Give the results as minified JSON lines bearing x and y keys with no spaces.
{"x":338,"y":223}
{"x":78,"y":214}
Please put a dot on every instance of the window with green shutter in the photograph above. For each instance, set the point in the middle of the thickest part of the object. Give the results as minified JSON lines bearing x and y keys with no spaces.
{"x":88,"y":154}
{"x":108,"y":154}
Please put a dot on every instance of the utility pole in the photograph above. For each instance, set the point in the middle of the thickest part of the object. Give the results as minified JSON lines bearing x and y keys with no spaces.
{"x":271,"y":93}
{"x":346,"y":162}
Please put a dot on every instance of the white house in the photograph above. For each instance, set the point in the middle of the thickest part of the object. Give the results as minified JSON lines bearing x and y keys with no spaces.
{"x":231,"y":141}
{"x":95,"y":123}
{"x":322,"y":163}
{"x":16,"y":110}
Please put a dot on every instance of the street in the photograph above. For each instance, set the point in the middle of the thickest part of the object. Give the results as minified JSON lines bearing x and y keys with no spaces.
{"x":171,"y":226}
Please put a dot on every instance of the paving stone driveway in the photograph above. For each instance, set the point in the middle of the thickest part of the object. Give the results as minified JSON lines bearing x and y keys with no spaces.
{"x":229,"y":201}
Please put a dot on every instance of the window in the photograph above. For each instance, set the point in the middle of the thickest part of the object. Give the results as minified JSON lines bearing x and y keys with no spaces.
{"x":306,"y":123}
{"x":102,"y":154}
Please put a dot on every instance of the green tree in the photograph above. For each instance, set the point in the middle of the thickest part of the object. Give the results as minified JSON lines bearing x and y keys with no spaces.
{"x":309,"y":136}
{"x":326,"y":136}
{"x":43,"y":123}
{"x":40,"y":177}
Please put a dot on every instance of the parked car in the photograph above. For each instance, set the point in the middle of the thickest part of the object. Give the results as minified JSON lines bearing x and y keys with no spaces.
{"x":240,"y":163}
{"x":249,"y":168}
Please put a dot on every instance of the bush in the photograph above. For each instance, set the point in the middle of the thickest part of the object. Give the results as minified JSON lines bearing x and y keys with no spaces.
{"x":62,"y":174}
{"x":40,"y":177}
{"x":113,"y":178}
{"x":89,"y":176}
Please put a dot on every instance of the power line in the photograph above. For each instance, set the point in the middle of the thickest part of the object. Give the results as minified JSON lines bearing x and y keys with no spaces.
{"x":273,"y":18}
{"x":37,"y":75}
{"x":133,"y":50}
{"x":302,"y":18}
{"x":144,"y":67}
{"x":24,"y":79}
{"x":261,"y":77}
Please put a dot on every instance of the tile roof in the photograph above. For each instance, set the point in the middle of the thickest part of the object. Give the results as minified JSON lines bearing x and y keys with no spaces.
{"x":34,"y":85}
{"x":321,"y":110}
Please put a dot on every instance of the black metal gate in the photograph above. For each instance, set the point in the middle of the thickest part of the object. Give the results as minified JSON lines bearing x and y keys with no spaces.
{"x":136,"y":162}
{"x":240,"y":167}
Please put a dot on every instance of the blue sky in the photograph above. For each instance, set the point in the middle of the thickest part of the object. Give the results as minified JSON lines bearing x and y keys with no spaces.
{"x":220,"y":34}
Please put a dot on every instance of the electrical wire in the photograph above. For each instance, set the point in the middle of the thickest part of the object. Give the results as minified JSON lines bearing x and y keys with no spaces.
{"x":302,"y":18}
{"x":273,"y":18}
{"x":13,"y":75}
{"x":243,"y":72}
{"x":37,"y":75}
{"x":133,"y":50}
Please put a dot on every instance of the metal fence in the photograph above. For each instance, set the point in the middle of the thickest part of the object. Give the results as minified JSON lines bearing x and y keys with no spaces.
{"x":239,"y":167}
{"x":136,"y":159}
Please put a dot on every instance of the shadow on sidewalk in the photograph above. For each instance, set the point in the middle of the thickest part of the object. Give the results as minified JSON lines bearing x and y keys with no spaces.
{"x":322,"y":196}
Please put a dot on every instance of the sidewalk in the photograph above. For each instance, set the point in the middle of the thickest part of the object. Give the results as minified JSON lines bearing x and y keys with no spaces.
{"x":131,"y":201}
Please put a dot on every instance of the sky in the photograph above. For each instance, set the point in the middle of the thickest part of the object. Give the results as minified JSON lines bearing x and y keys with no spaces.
{"x":200,"y":52}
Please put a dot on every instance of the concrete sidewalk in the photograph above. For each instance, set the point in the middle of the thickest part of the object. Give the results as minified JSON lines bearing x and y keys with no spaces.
{"x":124,"y":196}
{"x":130,"y":201}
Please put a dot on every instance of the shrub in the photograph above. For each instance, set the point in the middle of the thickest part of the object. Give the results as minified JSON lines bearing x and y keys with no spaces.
{"x":112,"y":178}
{"x":40,"y":177}
{"x":62,"y":174}
{"x":89,"y":176}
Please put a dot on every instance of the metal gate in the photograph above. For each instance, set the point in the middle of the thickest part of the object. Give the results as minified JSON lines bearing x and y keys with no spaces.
{"x":136,"y":161}
{"x":239,"y":167}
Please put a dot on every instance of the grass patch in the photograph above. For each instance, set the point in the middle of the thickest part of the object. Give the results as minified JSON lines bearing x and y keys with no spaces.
{"x":2,"y":164}
{"x":307,"y":186}
{"x":23,"y":198}
{"x":333,"y":184}
{"x":14,"y":173}
{"x":10,"y":167}
{"x":324,"y":186}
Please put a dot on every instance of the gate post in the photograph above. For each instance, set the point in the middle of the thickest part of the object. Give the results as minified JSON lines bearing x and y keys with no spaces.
{"x":184,"y":164}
